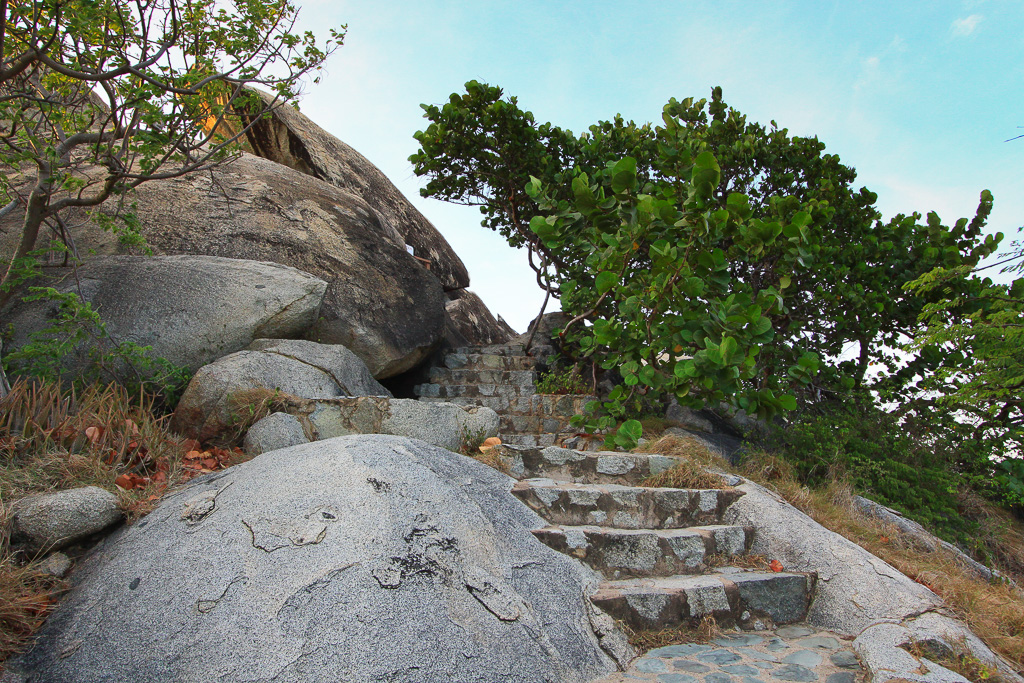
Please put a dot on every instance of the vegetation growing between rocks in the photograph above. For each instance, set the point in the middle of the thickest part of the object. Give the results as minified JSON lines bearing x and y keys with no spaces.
{"x":54,"y":437}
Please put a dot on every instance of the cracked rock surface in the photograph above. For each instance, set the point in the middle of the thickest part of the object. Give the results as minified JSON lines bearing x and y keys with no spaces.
{"x":361,"y":558}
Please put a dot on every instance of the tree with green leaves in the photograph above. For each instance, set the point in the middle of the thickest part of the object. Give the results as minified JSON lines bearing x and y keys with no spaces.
{"x":707,"y":257}
{"x":99,"y":96}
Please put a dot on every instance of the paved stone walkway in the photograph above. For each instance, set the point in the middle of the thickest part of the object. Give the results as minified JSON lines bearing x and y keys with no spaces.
{"x":790,"y":653}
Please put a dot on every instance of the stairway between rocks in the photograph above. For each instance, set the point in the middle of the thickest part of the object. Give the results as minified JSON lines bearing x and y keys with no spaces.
{"x":665,"y":554}
{"x":503,"y":378}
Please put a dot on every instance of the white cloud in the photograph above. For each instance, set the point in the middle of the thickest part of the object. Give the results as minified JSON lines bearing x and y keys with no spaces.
{"x":966,"y":26}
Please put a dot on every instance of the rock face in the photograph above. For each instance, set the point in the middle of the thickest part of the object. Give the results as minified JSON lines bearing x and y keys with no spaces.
{"x":290,"y":138}
{"x":209,"y":406}
{"x":470,"y":323}
{"x":190,"y":309}
{"x":357,"y":559}
{"x":855,"y":588}
{"x":380,"y":302}
{"x":50,"y":521}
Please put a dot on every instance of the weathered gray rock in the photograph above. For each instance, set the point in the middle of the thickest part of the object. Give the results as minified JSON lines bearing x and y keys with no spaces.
{"x":855,"y":588}
{"x":217,"y":398}
{"x":879,"y":648}
{"x":56,"y":564}
{"x":190,"y":309}
{"x":687,"y":418}
{"x":446,"y":425}
{"x":468,"y":322}
{"x":546,"y":327}
{"x":288,"y":137}
{"x":277,"y":430}
{"x":942,"y":636}
{"x":380,"y":302}
{"x":356,"y":559}
{"x":51,"y":521}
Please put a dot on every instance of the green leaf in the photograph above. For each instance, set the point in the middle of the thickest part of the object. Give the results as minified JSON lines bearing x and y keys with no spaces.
{"x":624,"y":175}
{"x":605,"y":281}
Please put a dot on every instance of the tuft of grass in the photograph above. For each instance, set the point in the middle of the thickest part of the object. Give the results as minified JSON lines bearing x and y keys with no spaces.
{"x":754,"y":562}
{"x":691,"y":472}
{"x":491,"y":459}
{"x":994,"y":611}
{"x":644,"y":640}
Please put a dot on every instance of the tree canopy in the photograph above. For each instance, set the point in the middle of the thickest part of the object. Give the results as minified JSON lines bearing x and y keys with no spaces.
{"x":706,"y":256}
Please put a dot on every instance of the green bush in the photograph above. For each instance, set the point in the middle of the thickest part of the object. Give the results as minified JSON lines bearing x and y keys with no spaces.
{"x":895,"y":463}
{"x":567,"y":381}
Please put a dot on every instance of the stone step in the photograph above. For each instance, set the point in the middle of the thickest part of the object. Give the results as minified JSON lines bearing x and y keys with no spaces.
{"x":506,"y":391}
{"x":732,"y":596}
{"x":495,"y":350}
{"x":532,"y":424}
{"x":522,"y":378}
{"x":532,"y":440}
{"x":627,"y":553}
{"x":551,"y":405}
{"x":624,"y":507}
{"x":487,"y":361}
{"x":563,"y":464}
{"x":495,"y":403}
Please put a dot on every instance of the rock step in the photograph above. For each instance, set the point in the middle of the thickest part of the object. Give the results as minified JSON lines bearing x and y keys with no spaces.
{"x":531,"y":440}
{"x":731,"y":596}
{"x":506,"y":391}
{"x":550,"y":405}
{"x":498,"y":404}
{"x":567,"y":465}
{"x":534,"y":424}
{"x":457,"y":376}
{"x":496,"y":350}
{"x":626,"y":553}
{"x":624,"y":507}
{"x":487,"y":361}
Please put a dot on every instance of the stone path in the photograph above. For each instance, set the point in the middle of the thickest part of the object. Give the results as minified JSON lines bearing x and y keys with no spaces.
{"x":789,"y":653}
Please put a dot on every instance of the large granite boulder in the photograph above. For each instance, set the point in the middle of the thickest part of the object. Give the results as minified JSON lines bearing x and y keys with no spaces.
{"x":360,"y":559}
{"x":380,"y":302}
{"x":288,"y":137}
{"x":189,"y":309}
{"x":218,"y":396}
{"x":468,"y":322}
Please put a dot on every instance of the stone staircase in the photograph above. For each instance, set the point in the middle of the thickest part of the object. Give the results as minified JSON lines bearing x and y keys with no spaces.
{"x":503,"y":378}
{"x":664,"y":553}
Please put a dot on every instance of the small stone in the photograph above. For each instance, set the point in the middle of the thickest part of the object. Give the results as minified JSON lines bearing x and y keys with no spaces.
{"x":719,"y":657}
{"x":741,"y":670}
{"x":795,"y":672}
{"x":648,"y":665}
{"x":776,"y":644}
{"x":57,"y":564}
{"x":676,"y":678}
{"x":764,"y":665}
{"x":845,"y":659}
{"x":803,"y":658}
{"x":718,"y":678}
{"x":678,"y":650}
{"x":690,"y":666}
{"x":757,"y":654}
{"x":793,"y":631}
{"x":51,"y":521}
{"x":738,"y":639}
{"x":842,"y":677}
{"x":825,"y":642}
{"x":751,"y":679}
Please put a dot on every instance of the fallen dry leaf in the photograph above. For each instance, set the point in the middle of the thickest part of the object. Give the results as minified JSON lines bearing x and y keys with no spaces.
{"x":775,"y":566}
{"x":94,"y":434}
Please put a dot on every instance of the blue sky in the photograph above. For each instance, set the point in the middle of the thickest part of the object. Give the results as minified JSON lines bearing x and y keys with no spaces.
{"x":919,"y":96}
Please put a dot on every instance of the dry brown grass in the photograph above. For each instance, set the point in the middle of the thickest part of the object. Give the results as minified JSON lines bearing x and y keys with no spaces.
{"x":755,"y":562}
{"x":692,"y":470}
{"x":644,"y":640}
{"x":994,"y":611}
{"x":491,"y":459}
{"x":53,"y":438}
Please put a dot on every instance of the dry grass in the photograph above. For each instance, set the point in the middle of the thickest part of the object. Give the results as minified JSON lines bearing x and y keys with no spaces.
{"x":53,"y":438}
{"x":994,"y":611}
{"x":644,"y":640}
{"x":692,"y":470}
{"x":754,"y":562}
{"x":492,"y":459}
